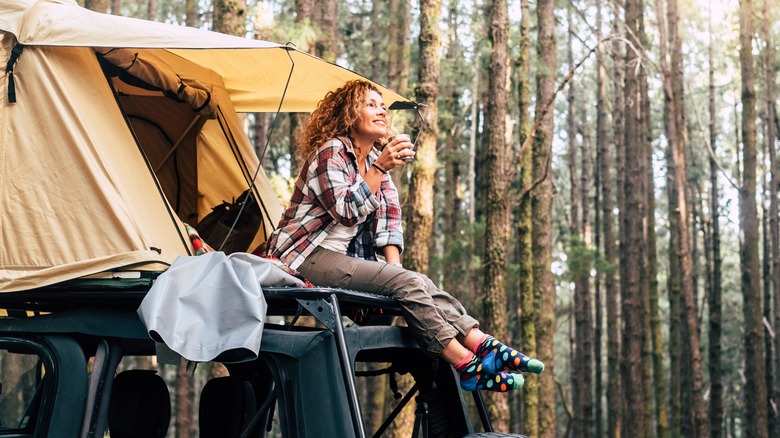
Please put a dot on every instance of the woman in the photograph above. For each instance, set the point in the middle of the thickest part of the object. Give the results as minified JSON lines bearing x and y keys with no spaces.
{"x":345,"y":208}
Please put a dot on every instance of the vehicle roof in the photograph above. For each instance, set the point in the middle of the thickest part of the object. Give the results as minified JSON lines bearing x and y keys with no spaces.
{"x":97,"y":310}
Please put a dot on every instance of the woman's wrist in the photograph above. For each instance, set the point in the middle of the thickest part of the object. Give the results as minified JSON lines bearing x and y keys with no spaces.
{"x":379,"y":168}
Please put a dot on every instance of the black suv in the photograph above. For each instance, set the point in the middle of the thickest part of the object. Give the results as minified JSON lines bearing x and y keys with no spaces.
{"x":59,"y":366}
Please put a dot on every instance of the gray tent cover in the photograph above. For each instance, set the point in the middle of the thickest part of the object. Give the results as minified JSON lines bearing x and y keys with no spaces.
{"x":211,"y":307}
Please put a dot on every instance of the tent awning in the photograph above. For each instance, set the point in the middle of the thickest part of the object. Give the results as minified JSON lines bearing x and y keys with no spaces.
{"x":255,"y":72}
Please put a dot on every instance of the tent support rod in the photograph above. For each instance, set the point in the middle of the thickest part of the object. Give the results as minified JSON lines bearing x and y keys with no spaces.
{"x":176,"y":145}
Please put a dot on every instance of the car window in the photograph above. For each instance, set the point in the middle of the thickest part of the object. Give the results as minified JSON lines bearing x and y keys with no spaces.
{"x":22,"y":378}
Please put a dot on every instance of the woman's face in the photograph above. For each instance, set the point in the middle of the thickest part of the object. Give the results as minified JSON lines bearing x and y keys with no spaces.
{"x":372,"y":120}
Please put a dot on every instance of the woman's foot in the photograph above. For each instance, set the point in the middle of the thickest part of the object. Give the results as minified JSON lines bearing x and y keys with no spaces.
{"x":474,"y":378}
{"x":497,"y":357}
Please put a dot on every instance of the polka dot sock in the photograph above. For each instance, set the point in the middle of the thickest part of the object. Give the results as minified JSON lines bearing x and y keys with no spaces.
{"x":497,"y":357}
{"x":474,"y":378}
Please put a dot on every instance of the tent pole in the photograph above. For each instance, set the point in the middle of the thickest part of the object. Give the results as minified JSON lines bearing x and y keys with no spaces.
{"x":178,"y":142}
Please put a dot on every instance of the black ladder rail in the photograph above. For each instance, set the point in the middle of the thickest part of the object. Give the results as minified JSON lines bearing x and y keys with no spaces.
{"x":346,"y":368}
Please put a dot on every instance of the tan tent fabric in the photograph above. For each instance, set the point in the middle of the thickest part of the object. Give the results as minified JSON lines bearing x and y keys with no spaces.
{"x":76,"y":196}
{"x":98,"y":174}
{"x":255,"y":73}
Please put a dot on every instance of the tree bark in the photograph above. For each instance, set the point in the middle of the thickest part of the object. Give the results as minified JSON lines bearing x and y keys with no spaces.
{"x":398,"y":45}
{"x":575,"y":366}
{"x":766,"y":282}
{"x":584,"y":306}
{"x":419,"y":214}
{"x":151,"y":10}
{"x":632,"y":245}
{"x":97,"y":5}
{"x":472,"y":173}
{"x":690,"y":327}
{"x":582,"y":369}
{"x":673,"y":277}
{"x":649,"y":262}
{"x":657,"y":392}
{"x":185,"y":411}
{"x":230,"y":17}
{"x":656,"y":342}
{"x":614,"y":397}
{"x":714,"y":303}
{"x":527,"y":310}
{"x":192,"y":13}
{"x":602,"y":203}
{"x":18,"y":374}
{"x":497,"y":211}
{"x":453,"y":129}
{"x":774,"y":215}
{"x":755,"y":388}
{"x":377,"y":69}
{"x":544,"y":287}
{"x":326,"y":17}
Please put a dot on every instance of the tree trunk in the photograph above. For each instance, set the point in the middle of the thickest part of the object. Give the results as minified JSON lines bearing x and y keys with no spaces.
{"x":398,"y":45}
{"x":527,"y":310}
{"x":151,"y":10}
{"x":774,"y":216}
{"x":582,"y":288}
{"x":394,"y":44}
{"x":472,"y":173}
{"x":614,"y":397}
{"x":755,"y":388}
{"x":632,"y":244}
{"x":544,"y":287}
{"x":192,"y":13}
{"x":575,"y":366}
{"x":571,"y":136}
{"x":582,"y":368}
{"x":714,"y":303}
{"x":116,"y":7}
{"x":326,"y":17}
{"x":649,"y":262}
{"x":97,"y":5}
{"x":766,"y":282}
{"x":419,"y":214}
{"x":185,"y":408}
{"x":377,"y":69}
{"x":497,"y":212}
{"x":673,"y":278}
{"x":658,"y":390}
{"x":230,"y":17}
{"x":304,"y":10}
{"x":453,"y":132}
{"x":602,"y":204}
{"x":18,"y":375}
{"x":678,"y":208}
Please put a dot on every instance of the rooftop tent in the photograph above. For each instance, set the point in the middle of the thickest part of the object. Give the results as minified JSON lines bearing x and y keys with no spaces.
{"x":98,"y":170}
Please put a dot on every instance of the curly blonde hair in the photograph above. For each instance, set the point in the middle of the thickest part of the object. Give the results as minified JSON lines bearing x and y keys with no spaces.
{"x":335,"y":115}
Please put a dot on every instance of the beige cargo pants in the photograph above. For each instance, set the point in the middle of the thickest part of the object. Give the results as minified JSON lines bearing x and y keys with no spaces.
{"x":434,"y":316}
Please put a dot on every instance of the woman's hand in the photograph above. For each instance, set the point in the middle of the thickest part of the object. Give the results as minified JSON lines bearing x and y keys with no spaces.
{"x":391,"y":156}
{"x":394,"y":152}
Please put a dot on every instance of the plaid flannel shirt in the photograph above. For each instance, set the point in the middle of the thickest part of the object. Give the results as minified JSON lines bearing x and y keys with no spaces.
{"x":329,"y":191}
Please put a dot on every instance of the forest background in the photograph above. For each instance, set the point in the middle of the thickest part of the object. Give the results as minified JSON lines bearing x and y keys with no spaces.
{"x":596,"y":180}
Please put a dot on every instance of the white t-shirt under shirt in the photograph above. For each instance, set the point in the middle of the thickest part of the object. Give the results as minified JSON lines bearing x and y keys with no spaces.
{"x":339,"y":237}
